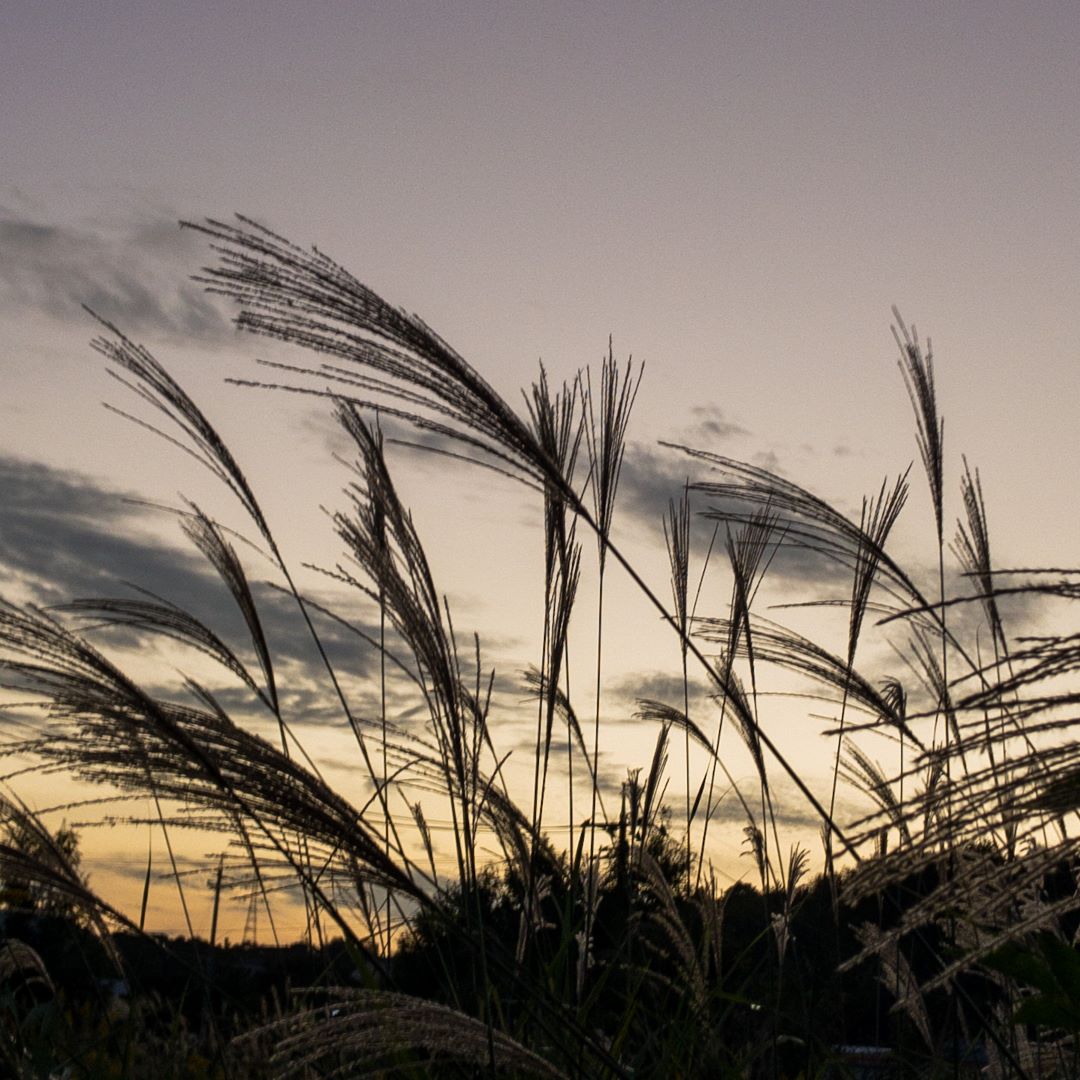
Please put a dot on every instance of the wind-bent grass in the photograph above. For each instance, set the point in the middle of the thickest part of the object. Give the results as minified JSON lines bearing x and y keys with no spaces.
{"x":606,"y":958}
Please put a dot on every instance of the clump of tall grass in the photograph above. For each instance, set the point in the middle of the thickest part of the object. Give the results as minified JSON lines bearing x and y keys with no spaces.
{"x":604,"y":957}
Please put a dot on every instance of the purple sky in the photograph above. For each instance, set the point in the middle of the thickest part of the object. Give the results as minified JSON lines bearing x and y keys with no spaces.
{"x":737,"y":192}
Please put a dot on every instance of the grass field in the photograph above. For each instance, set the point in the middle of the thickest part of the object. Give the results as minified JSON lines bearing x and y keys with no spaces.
{"x":941,"y":924}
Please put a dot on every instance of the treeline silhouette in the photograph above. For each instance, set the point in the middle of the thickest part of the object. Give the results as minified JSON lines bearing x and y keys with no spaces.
{"x":800,"y":1014}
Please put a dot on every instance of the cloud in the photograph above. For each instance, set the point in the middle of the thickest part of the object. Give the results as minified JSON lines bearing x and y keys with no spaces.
{"x":710,"y":424}
{"x":767,"y":459}
{"x":790,"y":806}
{"x":666,"y":686}
{"x":1021,"y":613}
{"x":63,"y":536}
{"x":652,"y":476}
{"x":135,"y":276}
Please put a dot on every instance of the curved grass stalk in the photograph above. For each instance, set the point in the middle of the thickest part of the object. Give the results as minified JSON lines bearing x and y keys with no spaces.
{"x":307,"y":299}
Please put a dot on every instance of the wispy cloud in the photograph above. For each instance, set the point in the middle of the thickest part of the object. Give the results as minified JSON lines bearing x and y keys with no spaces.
{"x":136,"y":275}
{"x":666,"y":686}
{"x":709,"y":425}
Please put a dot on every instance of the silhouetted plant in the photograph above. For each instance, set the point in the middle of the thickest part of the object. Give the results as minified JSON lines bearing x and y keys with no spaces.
{"x":618,"y":955}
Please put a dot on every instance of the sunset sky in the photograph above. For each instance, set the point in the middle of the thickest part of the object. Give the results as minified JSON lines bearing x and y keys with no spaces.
{"x":737,"y":193}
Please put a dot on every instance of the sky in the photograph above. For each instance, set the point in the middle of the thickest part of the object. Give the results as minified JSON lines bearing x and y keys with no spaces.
{"x":736,"y":193}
